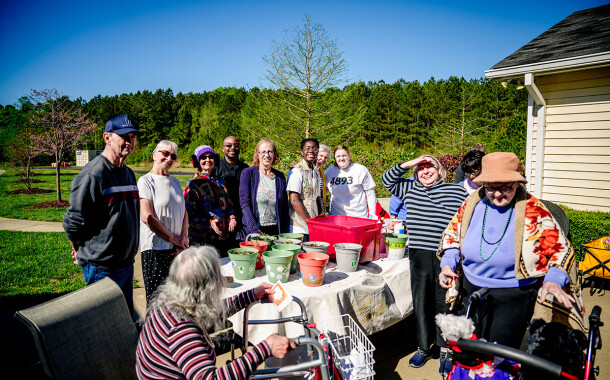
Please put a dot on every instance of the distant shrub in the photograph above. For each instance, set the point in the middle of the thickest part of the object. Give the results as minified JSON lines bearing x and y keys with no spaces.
{"x":586,"y":226}
{"x":451,"y":163}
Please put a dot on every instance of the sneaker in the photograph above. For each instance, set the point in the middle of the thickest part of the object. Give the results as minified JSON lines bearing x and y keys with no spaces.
{"x":446,"y":360}
{"x":420,"y":358}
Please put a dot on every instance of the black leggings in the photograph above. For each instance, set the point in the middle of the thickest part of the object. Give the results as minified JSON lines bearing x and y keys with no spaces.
{"x":155,"y":269}
{"x":505,"y":313}
{"x":428,"y":296}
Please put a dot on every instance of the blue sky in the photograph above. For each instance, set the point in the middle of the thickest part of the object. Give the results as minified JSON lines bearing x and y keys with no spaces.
{"x":110,"y":47}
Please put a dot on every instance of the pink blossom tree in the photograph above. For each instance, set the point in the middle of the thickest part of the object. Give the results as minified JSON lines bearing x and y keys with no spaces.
{"x":61,"y":127}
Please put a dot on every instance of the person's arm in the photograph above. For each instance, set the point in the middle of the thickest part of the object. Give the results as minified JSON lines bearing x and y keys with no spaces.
{"x":83,"y":198}
{"x":371,"y":201}
{"x":148,"y":217}
{"x":554,"y":282}
{"x":392,"y":180}
{"x":450,"y":260}
{"x":196,"y":359}
{"x":297,"y":205}
{"x":246,"y":179}
{"x":184,"y":233}
{"x":294,"y":187}
{"x":282,"y":202}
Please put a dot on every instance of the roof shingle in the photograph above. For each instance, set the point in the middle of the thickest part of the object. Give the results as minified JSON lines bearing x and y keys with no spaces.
{"x":581,"y":33}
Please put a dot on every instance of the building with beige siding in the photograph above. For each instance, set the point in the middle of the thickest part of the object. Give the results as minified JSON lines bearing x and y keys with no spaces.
{"x":566,"y":71}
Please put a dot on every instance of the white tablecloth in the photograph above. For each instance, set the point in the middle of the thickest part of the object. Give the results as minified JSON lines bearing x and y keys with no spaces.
{"x":377,"y":296}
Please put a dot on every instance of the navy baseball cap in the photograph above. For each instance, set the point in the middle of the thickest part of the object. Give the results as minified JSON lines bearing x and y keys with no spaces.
{"x":121,"y":125}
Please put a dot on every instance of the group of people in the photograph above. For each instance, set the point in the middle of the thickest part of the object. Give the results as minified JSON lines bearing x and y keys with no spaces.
{"x":484,"y":231}
{"x":182,"y":232}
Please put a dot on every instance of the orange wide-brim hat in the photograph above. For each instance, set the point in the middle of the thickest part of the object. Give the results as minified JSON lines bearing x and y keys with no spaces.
{"x":500,"y":167}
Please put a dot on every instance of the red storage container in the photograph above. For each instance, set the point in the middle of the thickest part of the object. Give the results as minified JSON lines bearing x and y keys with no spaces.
{"x":347,"y":229}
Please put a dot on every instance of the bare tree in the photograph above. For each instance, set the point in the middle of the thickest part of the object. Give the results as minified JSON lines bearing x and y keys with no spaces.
{"x":459,"y":132}
{"x":303,"y":69}
{"x":62,"y":126}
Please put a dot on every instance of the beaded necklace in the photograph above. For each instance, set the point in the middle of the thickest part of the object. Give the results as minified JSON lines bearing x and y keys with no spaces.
{"x":501,"y":237}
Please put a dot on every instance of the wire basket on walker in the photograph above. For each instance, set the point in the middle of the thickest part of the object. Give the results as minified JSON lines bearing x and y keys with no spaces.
{"x":352,"y":351}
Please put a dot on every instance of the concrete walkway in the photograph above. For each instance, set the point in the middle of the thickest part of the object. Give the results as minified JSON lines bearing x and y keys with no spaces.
{"x":394,"y":346}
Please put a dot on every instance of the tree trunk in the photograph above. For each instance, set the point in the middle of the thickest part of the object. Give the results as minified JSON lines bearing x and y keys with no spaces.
{"x":57,"y":175}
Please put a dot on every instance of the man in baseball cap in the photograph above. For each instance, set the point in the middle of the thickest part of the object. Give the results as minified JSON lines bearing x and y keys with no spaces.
{"x":103,"y":220}
{"x":121,"y":125}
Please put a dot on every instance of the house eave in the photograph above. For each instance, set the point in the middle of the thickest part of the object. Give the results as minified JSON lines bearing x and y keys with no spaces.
{"x":551,"y":67}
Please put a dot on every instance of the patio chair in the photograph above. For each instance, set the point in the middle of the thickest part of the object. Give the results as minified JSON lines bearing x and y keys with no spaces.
{"x":86,"y":334}
{"x":595,"y":265}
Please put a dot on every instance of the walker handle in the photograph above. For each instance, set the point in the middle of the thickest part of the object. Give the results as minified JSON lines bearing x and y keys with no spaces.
{"x":526,"y":360}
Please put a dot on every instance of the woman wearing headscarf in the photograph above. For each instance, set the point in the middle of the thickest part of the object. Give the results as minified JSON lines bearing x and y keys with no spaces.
{"x":164,"y":222}
{"x":262,"y":193}
{"x":174,"y":342}
{"x":505,"y":239}
{"x":431,"y":203}
{"x":209,"y":207}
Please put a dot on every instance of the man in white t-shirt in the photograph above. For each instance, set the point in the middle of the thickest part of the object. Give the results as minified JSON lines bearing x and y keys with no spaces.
{"x":304,"y":188}
{"x":351,"y":186}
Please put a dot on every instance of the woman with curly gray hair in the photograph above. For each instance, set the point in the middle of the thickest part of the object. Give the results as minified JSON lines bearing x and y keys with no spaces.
{"x":174,"y":342}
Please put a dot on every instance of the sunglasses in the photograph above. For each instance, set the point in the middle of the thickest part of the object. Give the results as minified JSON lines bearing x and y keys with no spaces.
{"x":165,"y":153}
{"x":207,"y":157}
{"x":236,"y":145}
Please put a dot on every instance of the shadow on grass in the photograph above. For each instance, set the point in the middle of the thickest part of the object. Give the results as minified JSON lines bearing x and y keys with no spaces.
{"x":18,"y":355}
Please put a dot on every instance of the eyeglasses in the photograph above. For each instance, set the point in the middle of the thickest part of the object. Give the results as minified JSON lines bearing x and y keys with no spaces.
{"x":165,"y":153}
{"x":502,"y":189}
{"x":310,"y":149}
{"x":266,"y":152}
{"x":236,"y":145}
{"x":207,"y":157}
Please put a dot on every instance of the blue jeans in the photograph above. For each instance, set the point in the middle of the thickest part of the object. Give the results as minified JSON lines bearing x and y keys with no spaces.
{"x":123,"y":278}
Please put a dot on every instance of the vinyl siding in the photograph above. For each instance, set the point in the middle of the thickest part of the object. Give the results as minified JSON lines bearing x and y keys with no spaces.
{"x":577,"y":139}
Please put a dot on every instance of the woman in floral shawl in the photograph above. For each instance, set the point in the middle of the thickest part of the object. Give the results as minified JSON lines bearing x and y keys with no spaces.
{"x":505,"y":239}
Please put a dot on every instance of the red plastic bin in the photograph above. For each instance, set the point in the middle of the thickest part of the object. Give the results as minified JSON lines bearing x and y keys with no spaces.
{"x":347,"y":229}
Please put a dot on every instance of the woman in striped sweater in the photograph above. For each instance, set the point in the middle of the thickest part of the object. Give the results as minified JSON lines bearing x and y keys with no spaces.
{"x":431,"y":203}
{"x":174,"y":343}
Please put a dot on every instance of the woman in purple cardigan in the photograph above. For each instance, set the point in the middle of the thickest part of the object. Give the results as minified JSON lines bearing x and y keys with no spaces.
{"x":262,"y":193}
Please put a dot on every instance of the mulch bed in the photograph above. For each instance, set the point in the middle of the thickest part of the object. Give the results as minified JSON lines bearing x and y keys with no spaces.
{"x":26,"y":181}
{"x":30,"y":191}
{"x":50,"y":204}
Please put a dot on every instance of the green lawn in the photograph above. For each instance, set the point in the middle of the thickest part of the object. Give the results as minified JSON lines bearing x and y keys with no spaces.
{"x":16,"y":205}
{"x":37,"y":263}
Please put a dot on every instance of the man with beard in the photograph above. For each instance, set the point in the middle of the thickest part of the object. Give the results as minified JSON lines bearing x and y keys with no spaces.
{"x":229,"y":170}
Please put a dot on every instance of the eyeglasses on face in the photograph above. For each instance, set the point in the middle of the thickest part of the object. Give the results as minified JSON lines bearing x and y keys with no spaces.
{"x":310,"y":149}
{"x":503,"y":189}
{"x":165,"y":153}
{"x":207,"y":157}
{"x":266,"y":152}
{"x":228,"y":145}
